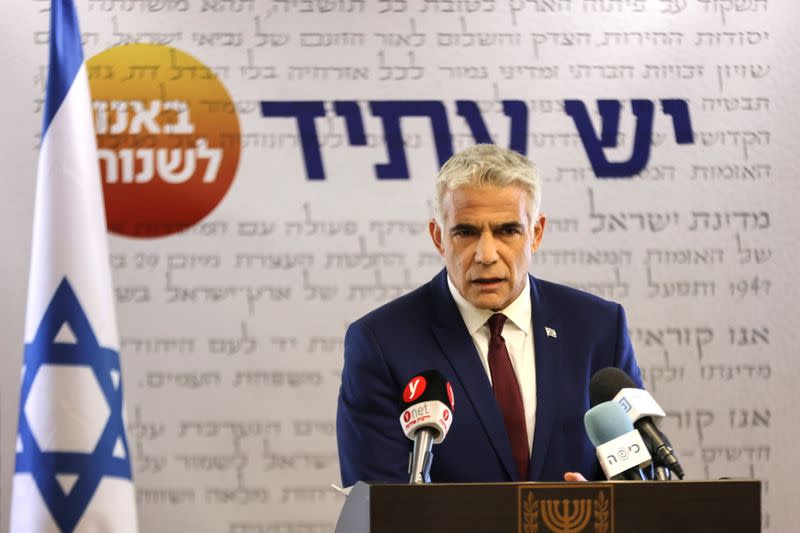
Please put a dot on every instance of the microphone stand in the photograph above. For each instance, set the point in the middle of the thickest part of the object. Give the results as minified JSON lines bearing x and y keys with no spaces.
{"x":662,"y":473}
{"x":421,"y":457}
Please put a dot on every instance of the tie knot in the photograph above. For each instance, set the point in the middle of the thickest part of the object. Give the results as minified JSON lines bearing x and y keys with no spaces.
{"x":496,"y":322}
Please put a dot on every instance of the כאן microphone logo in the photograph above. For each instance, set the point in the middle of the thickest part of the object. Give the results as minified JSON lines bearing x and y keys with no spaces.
{"x":622,"y":453}
{"x":625,"y":453}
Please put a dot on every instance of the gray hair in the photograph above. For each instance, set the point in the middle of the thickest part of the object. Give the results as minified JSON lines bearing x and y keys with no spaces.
{"x":488,"y":164}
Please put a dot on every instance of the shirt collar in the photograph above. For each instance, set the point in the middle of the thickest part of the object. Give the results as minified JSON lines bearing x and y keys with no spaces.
{"x":518,"y":311}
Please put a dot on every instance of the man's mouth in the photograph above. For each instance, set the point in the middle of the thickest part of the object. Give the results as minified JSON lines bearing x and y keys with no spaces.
{"x":487,"y":281}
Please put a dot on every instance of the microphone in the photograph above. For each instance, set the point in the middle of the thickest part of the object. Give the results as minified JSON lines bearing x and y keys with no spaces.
{"x":620,"y":448}
{"x":426,"y":418}
{"x":612,"y":384}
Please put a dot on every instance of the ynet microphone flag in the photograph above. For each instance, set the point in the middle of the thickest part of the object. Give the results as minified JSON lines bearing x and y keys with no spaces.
{"x":73,"y":468}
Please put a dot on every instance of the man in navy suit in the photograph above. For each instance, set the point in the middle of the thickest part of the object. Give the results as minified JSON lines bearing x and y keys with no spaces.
{"x":518,"y":351}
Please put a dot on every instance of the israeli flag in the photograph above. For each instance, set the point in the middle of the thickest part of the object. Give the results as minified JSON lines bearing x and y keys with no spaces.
{"x":73,"y":468}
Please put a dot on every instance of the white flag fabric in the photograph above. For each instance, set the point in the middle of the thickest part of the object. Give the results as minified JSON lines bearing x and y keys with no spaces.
{"x":73,"y":468}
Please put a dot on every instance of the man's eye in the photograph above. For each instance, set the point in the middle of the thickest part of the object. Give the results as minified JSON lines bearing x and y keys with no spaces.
{"x":510,"y":231}
{"x":463,"y":233}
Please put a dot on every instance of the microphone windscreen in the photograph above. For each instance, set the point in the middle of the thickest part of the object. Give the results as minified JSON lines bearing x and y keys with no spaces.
{"x":605,"y":422}
{"x":427,"y":402}
{"x":427,"y":386}
{"x":606,"y":383}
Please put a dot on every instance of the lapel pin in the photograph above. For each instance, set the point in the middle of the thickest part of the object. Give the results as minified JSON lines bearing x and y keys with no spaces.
{"x":550,"y":332}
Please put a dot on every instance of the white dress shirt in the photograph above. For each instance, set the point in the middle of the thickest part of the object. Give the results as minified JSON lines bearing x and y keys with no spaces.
{"x":518,"y":334}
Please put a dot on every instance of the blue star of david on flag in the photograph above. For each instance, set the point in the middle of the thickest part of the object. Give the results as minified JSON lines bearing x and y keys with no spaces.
{"x":65,"y":353}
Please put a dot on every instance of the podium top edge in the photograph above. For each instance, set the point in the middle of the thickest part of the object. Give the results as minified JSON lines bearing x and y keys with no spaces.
{"x":573,"y":484}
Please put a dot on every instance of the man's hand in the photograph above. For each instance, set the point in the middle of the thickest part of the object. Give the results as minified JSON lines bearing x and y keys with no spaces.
{"x":574,"y":476}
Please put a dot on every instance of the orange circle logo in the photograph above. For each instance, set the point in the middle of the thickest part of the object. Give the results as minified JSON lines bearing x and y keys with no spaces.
{"x":167,"y":138}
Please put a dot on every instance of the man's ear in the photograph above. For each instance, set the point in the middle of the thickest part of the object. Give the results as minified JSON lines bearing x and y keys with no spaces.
{"x":436,"y":235}
{"x":538,"y":231}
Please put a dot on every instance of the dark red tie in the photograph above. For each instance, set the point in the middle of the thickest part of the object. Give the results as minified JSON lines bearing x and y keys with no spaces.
{"x":506,"y":392}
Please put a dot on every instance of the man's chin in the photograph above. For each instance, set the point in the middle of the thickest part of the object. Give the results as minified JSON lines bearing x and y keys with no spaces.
{"x":490,"y":302}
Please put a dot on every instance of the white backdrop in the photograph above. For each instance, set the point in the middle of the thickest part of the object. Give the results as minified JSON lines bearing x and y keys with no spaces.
{"x":231,"y":399}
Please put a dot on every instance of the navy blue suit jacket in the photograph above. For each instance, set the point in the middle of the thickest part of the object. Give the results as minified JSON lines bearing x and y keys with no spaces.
{"x":424,"y":330}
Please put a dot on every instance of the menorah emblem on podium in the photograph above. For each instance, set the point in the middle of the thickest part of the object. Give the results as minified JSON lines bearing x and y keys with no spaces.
{"x":566,"y":516}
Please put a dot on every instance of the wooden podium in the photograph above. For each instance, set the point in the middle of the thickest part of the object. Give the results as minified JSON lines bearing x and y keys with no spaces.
{"x":607,"y":507}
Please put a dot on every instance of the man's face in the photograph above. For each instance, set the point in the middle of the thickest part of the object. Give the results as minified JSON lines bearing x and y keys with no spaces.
{"x":487,"y":241}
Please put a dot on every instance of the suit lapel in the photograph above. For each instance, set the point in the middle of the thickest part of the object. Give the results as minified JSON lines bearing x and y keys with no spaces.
{"x":457,"y":345}
{"x":548,"y":381}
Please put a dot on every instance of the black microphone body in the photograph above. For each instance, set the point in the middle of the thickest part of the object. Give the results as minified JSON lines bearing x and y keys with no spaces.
{"x":660,"y":447}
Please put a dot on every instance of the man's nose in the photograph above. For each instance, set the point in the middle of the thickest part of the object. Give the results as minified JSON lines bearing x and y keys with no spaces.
{"x":486,"y":250}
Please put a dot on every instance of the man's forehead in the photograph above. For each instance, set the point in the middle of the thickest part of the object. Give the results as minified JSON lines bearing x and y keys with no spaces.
{"x":493,"y":204}
{"x":498,"y":219}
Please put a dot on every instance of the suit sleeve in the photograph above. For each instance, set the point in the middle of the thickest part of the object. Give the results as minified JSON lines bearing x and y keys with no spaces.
{"x":625,"y":359}
{"x":372,"y":445}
